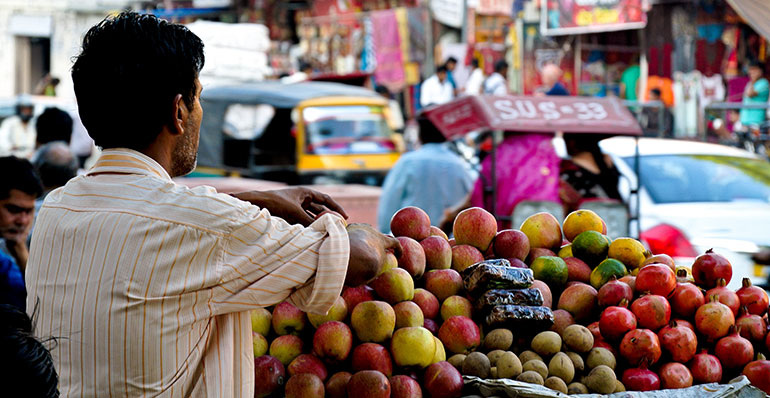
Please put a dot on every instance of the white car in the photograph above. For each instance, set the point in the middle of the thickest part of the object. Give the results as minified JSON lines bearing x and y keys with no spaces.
{"x":713,"y":195}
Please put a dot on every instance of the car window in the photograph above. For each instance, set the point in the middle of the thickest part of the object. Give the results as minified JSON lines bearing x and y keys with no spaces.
{"x":247,"y":121}
{"x":703,"y":178}
{"x":355,"y":129}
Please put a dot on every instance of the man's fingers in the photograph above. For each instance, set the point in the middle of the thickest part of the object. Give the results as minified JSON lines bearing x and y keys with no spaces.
{"x":316,"y":209}
{"x":392,"y":244}
{"x":326,"y":200}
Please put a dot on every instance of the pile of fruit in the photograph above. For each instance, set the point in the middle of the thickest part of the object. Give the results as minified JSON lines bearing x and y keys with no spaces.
{"x":561,"y":306}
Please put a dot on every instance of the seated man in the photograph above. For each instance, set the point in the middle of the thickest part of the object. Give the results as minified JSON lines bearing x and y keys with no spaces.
{"x":19,"y":189}
{"x":55,"y":164}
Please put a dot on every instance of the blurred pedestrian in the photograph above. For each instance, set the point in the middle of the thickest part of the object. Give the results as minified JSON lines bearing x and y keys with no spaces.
{"x":26,"y":365}
{"x":496,"y":84}
{"x":436,"y":90}
{"x":757,"y":92}
{"x":19,"y":188}
{"x":12,"y":289}
{"x":303,"y":73}
{"x":451,"y":64}
{"x":475,"y":81}
{"x":550,"y":76}
{"x":47,"y":86}
{"x":432,"y":178}
{"x":123,"y":244}
{"x":652,"y":117}
{"x":629,"y":81}
{"x":17,"y":132}
{"x":53,"y":125}
{"x":588,"y":173}
{"x":394,"y":115}
{"x":55,"y":165}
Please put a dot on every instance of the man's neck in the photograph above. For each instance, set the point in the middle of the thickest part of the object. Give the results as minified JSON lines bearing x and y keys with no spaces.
{"x":161,"y":156}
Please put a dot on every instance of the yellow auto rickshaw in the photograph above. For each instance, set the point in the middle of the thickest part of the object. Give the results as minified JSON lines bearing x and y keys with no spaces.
{"x":297,"y":132}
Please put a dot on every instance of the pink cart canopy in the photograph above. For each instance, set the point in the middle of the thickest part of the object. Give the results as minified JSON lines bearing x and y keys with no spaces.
{"x":528,"y":114}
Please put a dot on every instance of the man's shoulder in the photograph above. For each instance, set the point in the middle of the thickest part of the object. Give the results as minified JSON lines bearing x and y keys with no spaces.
{"x":200,"y":207}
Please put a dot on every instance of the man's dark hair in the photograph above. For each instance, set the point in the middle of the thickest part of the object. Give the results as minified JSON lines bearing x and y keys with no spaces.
{"x":756,"y":64}
{"x":128,"y":72}
{"x":475,"y":62}
{"x":450,"y":60}
{"x":55,"y":164}
{"x":500,"y":66}
{"x":441,"y":68}
{"x":18,"y":174}
{"x":52,"y":125}
{"x":428,"y":131}
{"x":656,"y":91}
{"x":26,"y":365}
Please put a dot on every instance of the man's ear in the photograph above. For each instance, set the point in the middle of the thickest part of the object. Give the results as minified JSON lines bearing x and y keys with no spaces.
{"x":179,"y":115}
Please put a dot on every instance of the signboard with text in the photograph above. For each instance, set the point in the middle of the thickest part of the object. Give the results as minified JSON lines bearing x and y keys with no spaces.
{"x":529,"y":114}
{"x":563,"y":17}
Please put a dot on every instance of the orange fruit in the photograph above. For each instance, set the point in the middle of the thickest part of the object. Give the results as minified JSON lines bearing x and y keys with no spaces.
{"x":580,"y":221}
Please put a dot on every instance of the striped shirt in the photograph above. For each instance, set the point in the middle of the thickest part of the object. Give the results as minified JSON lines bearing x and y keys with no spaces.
{"x":148,"y":283}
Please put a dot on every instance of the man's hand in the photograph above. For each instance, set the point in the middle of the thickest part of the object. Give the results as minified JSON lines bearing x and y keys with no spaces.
{"x":18,"y":249}
{"x":295,"y":205}
{"x":368,"y":249}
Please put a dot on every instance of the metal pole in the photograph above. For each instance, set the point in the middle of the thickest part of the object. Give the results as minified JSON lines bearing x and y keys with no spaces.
{"x":637,"y":170}
{"x":493,"y":173}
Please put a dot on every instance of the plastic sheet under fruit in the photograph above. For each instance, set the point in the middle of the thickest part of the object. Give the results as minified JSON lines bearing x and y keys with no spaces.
{"x":738,"y":388}
{"x":519,"y":316}
{"x":494,"y":297}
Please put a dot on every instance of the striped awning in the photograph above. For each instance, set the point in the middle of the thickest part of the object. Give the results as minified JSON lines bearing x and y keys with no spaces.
{"x":756,"y":13}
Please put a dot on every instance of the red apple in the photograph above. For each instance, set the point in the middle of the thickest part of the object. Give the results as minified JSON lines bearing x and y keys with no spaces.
{"x":412,"y":257}
{"x":456,"y":305}
{"x":476,"y":227}
{"x":443,"y":283}
{"x":536,"y":252}
{"x":304,"y":385}
{"x":443,"y":380}
{"x":408,"y":314}
{"x":332,"y":341}
{"x":288,"y":319}
{"x":286,"y":348}
{"x":431,"y":325}
{"x":412,"y":222}
{"x":308,"y":363}
{"x":373,"y":321}
{"x":511,"y":243}
{"x":369,"y":384}
{"x":336,"y":386}
{"x":355,"y":295}
{"x":402,"y":386}
{"x":372,"y":356}
{"x":269,"y":375}
{"x":463,"y":256}
{"x":459,"y":334}
{"x":436,"y":231}
{"x":428,"y":303}
{"x":578,"y":270}
{"x":438,"y":253}
{"x":394,"y":285}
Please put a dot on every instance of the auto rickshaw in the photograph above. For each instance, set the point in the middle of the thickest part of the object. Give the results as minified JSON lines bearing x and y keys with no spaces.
{"x":297,"y":132}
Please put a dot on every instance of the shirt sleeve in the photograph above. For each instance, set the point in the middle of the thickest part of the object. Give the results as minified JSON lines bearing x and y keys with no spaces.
{"x":266,"y":261}
{"x":762,"y":87}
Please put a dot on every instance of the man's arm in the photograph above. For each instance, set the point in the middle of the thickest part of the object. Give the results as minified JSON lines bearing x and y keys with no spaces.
{"x":294,"y":205}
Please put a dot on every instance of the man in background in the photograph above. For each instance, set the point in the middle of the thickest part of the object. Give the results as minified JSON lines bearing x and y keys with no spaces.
{"x":55,"y":165}
{"x":550,"y":76}
{"x":432,"y":178}
{"x":451,"y":64}
{"x":629,"y":81}
{"x":436,"y":90}
{"x":496,"y":83}
{"x":657,"y":122}
{"x":756,"y":92}
{"x":17,"y":132}
{"x":53,"y":125}
{"x":476,"y":80}
{"x":19,"y":188}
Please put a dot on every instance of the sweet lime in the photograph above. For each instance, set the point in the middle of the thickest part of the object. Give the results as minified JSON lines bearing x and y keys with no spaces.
{"x":580,"y":221}
{"x":605,"y":271}
{"x":591,"y":247}
{"x":551,"y":270}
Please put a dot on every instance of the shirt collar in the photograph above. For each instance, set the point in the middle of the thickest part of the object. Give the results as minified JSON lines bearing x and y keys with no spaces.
{"x":128,"y":161}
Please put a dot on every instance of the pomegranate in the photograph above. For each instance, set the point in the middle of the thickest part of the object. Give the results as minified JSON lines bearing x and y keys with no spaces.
{"x":683,"y":277}
{"x":685,"y":324}
{"x":629,"y":280}
{"x":674,"y":375}
{"x":758,"y":373}
{"x":752,"y":326}
{"x":616,"y":321}
{"x":733,"y":350}
{"x":714,"y":319}
{"x":680,"y":342}
{"x":656,"y":279}
{"x":686,"y":299}
{"x":726,"y":296}
{"x":660,"y":259}
{"x":710,"y":267}
{"x":595,"y":330}
{"x":640,"y":379}
{"x":753,"y":297}
{"x":652,"y":311}
{"x":613,"y":291}
{"x":640,"y":345}
{"x":705,"y":368}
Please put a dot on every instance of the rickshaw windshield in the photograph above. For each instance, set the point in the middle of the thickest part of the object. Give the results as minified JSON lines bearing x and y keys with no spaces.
{"x":356,"y":129}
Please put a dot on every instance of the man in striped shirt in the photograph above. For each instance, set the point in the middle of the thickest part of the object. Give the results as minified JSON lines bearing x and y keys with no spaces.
{"x":147,"y":283}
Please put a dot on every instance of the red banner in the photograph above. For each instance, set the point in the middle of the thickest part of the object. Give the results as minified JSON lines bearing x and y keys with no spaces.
{"x":564,"y":17}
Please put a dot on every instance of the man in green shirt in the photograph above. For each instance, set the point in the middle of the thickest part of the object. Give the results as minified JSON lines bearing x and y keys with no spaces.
{"x":629,"y":81}
{"x":757,"y":92}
